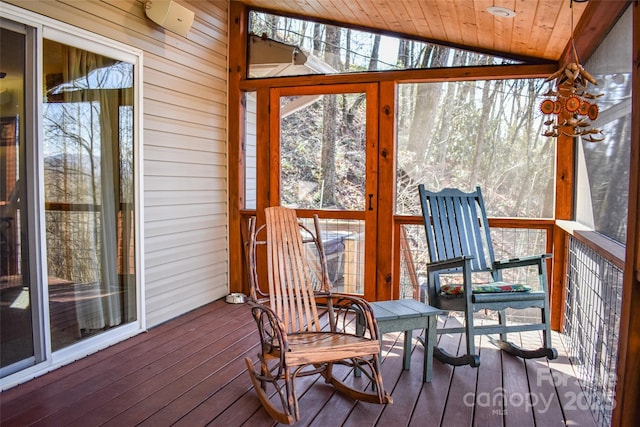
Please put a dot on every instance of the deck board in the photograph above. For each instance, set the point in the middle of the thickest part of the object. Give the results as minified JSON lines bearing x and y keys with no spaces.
{"x":463,"y":381}
{"x":488,"y":410}
{"x":116,"y":370}
{"x":191,"y":372}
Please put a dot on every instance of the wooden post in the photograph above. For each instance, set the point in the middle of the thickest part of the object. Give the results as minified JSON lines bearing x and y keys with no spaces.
{"x":565,"y":154}
{"x":627,"y":411}
{"x":385,"y":289}
{"x":235,"y":168}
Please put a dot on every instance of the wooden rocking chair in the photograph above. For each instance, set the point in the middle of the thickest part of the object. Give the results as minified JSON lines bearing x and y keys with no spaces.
{"x":459,"y":241}
{"x":305,"y":331}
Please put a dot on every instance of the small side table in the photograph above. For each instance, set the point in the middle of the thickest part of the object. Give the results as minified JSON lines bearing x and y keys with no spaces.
{"x":407,"y":315}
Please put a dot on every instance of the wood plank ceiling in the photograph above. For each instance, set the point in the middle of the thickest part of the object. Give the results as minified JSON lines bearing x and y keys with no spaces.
{"x":540,"y":29}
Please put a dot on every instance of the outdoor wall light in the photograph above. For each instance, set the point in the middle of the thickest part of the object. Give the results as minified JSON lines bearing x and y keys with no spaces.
{"x":170,"y":15}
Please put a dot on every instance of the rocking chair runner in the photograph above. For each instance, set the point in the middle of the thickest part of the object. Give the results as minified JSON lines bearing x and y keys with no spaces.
{"x":305,"y":331}
{"x":459,"y":241}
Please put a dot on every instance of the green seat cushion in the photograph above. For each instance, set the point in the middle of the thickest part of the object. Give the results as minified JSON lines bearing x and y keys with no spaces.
{"x":484,"y":288}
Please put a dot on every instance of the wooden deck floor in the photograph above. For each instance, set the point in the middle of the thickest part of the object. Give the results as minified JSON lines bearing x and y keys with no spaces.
{"x":191,"y":372}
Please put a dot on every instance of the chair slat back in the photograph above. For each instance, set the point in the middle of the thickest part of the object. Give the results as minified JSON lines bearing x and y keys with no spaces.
{"x":456,"y":225}
{"x":290,"y":284}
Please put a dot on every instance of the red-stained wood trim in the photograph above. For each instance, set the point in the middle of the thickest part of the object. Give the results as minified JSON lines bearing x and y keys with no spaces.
{"x":331,"y":214}
{"x":627,"y":411}
{"x":597,"y":19}
{"x":532,"y":223}
{"x":373,"y":288}
{"x":235,"y":146}
{"x":610,"y":250}
{"x":554,"y":238}
{"x":565,"y":177}
{"x":263,"y":153}
{"x":271,"y":163}
{"x":263,"y":168}
{"x":397,"y":259}
{"x":409,"y":76}
{"x":386,"y":287}
{"x":557,"y":284}
{"x":269,"y":110}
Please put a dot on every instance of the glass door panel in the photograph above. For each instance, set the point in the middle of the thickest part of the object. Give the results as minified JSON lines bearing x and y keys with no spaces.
{"x":327,"y":153}
{"x":15,"y":287}
{"x":77,"y":157}
{"x":16,"y":291}
{"x":88,"y":184}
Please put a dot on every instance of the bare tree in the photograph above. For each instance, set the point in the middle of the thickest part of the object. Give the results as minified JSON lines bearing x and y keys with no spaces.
{"x":375,"y":53}
{"x":329,"y":125}
{"x":317,"y":38}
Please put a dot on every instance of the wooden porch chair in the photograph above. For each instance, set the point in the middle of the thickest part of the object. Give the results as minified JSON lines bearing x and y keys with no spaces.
{"x":459,"y":242}
{"x":305,"y":331}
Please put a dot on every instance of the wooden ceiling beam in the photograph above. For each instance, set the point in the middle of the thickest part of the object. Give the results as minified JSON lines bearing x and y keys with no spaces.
{"x":596,"y":21}
{"x":409,"y":76}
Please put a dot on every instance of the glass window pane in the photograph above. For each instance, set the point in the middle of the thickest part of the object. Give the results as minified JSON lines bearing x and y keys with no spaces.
{"x":465,"y":134}
{"x":17,"y":291}
{"x":88,"y":184}
{"x":284,"y":46}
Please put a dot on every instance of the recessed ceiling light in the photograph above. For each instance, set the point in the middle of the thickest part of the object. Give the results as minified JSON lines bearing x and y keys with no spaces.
{"x":502,"y":12}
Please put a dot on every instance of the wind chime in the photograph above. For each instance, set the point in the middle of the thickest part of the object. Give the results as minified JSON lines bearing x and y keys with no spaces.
{"x":570,"y":107}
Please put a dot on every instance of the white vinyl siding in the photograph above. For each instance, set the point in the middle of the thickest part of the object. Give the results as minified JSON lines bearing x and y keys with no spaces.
{"x":184,"y":133}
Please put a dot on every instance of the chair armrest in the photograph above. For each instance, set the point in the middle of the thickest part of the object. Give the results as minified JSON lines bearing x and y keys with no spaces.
{"x":520,"y":262}
{"x":343,"y":306}
{"x":273,"y":334}
{"x":448,"y":264}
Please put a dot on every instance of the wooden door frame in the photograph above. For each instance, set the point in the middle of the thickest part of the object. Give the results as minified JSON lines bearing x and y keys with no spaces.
{"x":271,"y":160}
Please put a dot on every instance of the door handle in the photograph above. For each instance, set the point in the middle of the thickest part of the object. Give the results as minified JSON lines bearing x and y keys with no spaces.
{"x":370,"y":202}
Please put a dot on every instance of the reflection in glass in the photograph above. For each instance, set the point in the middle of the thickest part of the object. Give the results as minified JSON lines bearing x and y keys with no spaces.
{"x":16,"y":321}
{"x":88,"y":182}
{"x":285,"y":46}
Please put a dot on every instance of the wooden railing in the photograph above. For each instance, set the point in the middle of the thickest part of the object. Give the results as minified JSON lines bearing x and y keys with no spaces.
{"x":529,"y":236}
{"x":592,"y":314}
{"x":589,"y":289}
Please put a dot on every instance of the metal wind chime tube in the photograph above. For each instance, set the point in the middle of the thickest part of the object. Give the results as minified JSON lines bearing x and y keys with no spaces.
{"x":570,"y":107}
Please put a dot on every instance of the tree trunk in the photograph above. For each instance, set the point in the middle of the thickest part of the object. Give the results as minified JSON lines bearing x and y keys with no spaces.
{"x":328,"y":159}
{"x":488,"y":97}
{"x":427,"y":100}
{"x":272,"y":25}
{"x":375,"y":53}
{"x":329,"y":122}
{"x":317,"y":39}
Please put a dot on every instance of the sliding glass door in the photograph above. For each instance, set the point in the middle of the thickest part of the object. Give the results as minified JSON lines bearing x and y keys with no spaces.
{"x":67,"y":206}
{"x":88,"y":192}
{"x":16,"y":286}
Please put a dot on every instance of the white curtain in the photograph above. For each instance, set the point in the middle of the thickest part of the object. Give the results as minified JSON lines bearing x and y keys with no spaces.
{"x":97,"y":301}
